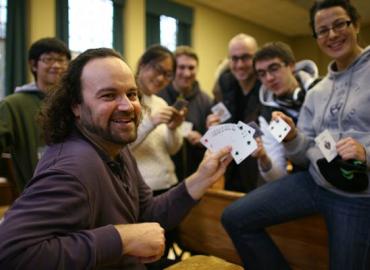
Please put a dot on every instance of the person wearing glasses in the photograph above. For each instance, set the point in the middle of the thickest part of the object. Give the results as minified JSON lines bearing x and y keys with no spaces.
{"x":237,"y":87}
{"x":185,"y":86}
{"x":20,"y":134}
{"x":337,"y":189}
{"x":284,"y":87}
{"x":159,"y":135}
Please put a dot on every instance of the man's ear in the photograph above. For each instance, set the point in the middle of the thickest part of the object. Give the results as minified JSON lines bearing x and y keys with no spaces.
{"x":33,"y":65}
{"x":76,"y":109}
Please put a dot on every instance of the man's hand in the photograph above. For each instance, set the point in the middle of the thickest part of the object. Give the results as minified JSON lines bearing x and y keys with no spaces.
{"x":293,"y":130}
{"x":142,"y":240}
{"x":194,"y":137}
{"x":211,"y":168}
{"x":177,"y":118}
{"x":260,"y":151}
{"x":349,"y":148}
{"x":212,"y":120}
{"x":261,"y":155}
{"x":163,"y":115}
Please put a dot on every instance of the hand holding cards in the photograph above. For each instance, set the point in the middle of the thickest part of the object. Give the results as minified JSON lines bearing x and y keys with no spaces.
{"x":239,"y":137}
{"x":221,"y":110}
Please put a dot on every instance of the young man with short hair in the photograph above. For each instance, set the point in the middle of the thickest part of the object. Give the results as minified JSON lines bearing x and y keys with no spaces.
{"x":185,"y":86}
{"x":284,"y":87}
{"x":20,"y":134}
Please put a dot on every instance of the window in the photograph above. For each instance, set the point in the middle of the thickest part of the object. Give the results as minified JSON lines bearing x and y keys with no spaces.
{"x":90,"y":24}
{"x":3,"y":5}
{"x":168,"y":23}
{"x":168,"y":32}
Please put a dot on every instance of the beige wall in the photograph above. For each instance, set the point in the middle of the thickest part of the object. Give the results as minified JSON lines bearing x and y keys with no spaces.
{"x":42,"y":19}
{"x":41,"y":14}
{"x":134,"y":35}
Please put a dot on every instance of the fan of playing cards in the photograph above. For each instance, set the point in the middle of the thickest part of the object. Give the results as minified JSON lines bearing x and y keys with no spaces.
{"x":239,"y":137}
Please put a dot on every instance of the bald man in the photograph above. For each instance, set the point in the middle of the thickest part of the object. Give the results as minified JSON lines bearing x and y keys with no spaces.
{"x":237,"y":87}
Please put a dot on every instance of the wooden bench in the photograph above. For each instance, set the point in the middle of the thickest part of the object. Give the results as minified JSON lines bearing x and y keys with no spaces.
{"x":303,"y":242}
{"x":3,"y":209}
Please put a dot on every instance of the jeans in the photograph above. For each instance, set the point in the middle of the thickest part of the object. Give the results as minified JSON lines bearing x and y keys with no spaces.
{"x":292,"y":197}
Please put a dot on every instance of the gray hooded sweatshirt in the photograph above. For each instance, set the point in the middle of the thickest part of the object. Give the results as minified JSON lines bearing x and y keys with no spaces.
{"x":340,"y":104}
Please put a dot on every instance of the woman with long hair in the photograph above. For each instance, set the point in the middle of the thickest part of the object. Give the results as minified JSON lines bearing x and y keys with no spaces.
{"x":158,"y":134}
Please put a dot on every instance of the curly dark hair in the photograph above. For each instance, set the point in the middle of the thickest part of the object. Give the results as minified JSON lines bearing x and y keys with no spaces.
{"x":56,"y":116}
{"x":323,"y":4}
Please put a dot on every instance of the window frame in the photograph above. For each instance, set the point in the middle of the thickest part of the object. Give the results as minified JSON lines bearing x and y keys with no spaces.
{"x":183,"y":15}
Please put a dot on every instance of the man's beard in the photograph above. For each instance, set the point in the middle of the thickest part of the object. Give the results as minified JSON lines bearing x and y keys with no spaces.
{"x":108,"y":133}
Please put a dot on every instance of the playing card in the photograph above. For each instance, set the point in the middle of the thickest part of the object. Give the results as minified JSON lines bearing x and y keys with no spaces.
{"x":258,"y":131}
{"x":221,"y":136}
{"x":279,"y":129}
{"x":242,"y":146}
{"x":326,"y":144}
{"x":180,"y":104}
{"x":205,"y":140}
{"x":186,"y":127}
{"x":221,"y":110}
{"x":245,"y":129}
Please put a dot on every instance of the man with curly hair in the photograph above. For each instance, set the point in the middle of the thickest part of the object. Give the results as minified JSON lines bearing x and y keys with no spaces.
{"x":87,"y":207}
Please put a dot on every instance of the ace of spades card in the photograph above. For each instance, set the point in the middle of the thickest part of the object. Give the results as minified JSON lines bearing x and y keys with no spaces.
{"x":327,"y":145}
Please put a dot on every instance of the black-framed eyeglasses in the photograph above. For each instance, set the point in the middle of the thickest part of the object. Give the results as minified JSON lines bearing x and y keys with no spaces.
{"x":337,"y":27}
{"x":168,"y":75}
{"x":272,"y":69}
{"x":244,"y":57}
{"x":50,"y":60}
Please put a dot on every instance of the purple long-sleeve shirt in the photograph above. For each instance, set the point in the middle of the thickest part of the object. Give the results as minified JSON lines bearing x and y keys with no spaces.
{"x":64,"y":219}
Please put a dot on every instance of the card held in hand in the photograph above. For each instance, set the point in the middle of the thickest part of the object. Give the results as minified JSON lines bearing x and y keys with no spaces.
{"x":279,"y":129}
{"x":221,"y":110}
{"x":327,"y":145}
{"x":186,"y":128}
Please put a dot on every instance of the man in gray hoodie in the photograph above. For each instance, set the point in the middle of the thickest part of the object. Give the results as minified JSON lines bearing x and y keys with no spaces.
{"x":284,"y":87}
